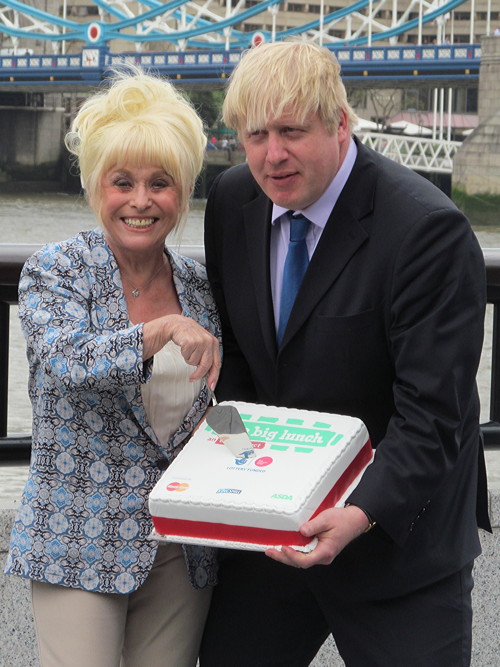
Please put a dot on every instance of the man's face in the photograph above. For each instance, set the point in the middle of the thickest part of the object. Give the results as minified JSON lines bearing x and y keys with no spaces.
{"x":295,"y":162}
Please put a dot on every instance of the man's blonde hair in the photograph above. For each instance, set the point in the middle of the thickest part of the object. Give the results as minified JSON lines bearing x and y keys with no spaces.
{"x":294,"y":77}
{"x":140,"y":120}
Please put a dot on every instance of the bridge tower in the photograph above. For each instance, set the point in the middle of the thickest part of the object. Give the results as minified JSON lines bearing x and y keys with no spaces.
{"x":476,"y":165}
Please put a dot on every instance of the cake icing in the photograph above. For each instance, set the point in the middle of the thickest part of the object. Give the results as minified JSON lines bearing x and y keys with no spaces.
{"x":304,"y":462}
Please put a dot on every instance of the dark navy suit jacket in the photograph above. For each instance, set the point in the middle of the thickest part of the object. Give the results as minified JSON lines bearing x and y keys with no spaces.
{"x":388,"y":327}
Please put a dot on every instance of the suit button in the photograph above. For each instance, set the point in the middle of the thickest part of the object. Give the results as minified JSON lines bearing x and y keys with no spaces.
{"x":422,"y":511}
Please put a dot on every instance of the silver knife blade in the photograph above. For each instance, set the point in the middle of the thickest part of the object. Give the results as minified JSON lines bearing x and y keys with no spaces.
{"x":226,"y":421}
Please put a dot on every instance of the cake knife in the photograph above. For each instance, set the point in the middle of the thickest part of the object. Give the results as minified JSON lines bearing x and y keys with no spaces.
{"x":226,"y":421}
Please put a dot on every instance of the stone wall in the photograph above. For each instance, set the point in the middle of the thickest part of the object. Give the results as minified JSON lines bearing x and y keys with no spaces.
{"x":476,"y":165}
{"x":31,"y":143}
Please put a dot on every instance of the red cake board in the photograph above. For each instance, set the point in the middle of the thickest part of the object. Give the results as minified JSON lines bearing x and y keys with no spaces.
{"x":203,"y":530}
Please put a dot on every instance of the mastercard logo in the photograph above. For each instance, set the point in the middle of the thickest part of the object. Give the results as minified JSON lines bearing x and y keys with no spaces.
{"x":177,"y":486}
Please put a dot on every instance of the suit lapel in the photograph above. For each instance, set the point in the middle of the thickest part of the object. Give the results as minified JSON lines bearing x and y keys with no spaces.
{"x":343,"y":235}
{"x":257,"y":224}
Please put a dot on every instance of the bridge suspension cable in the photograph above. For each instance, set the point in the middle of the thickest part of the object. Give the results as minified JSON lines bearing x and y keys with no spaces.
{"x":186,"y":23}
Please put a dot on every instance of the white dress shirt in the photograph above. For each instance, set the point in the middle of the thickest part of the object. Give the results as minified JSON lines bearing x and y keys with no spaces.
{"x":318,"y":213}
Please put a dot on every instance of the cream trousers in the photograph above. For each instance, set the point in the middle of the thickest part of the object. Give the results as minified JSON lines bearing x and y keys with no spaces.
{"x":159,"y":625}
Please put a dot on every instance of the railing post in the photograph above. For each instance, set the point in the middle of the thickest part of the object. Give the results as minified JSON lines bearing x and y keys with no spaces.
{"x":495,"y":368}
{"x":4,"y":366}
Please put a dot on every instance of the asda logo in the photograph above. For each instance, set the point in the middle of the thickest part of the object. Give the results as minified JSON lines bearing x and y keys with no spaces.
{"x":281,"y":496}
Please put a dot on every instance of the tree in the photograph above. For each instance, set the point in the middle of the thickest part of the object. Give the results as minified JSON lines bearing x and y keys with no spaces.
{"x":208,"y":103}
{"x":384,"y":102}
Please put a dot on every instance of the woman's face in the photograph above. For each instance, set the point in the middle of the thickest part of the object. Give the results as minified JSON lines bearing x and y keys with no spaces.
{"x":139,"y":207}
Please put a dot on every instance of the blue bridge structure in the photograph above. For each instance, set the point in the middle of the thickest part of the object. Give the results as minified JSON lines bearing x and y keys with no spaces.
{"x":202,"y":43}
{"x":360,"y":64}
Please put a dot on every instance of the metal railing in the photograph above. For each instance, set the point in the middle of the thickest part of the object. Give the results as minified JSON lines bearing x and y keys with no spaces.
{"x":16,"y":449}
{"x":418,"y":153}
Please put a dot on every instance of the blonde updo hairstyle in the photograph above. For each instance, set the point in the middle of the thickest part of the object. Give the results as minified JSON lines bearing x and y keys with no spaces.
{"x":140,"y":120}
{"x":293,"y":77}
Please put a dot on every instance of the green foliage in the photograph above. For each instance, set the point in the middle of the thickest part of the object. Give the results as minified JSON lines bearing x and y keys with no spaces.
{"x":481,"y":209}
{"x":208,"y":103}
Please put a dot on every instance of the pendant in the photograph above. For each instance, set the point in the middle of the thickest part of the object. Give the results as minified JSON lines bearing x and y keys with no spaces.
{"x":135,"y":293}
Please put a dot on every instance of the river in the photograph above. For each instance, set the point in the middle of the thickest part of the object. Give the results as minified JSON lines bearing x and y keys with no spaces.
{"x":40,"y":218}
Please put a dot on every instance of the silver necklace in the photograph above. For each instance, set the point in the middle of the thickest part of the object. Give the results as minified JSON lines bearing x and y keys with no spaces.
{"x":136,"y":291}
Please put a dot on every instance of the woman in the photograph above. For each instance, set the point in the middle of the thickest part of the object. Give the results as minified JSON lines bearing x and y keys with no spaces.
{"x":122,"y":340}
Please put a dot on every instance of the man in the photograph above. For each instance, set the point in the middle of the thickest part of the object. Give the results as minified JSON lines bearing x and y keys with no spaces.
{"x":387,"y":326}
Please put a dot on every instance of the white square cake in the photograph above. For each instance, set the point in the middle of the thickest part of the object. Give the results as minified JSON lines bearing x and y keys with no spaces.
{"x":304,"y":462}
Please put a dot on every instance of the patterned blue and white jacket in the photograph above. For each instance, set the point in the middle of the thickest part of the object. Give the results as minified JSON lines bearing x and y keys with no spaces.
{"x":83,"y":519}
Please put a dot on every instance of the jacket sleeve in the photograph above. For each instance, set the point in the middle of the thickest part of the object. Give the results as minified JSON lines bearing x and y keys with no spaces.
{"x":68,"y":335}
{"x":435,"y":320}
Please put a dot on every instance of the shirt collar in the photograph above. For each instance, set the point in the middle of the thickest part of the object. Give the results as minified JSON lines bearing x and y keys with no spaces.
{"x":319,"y":211}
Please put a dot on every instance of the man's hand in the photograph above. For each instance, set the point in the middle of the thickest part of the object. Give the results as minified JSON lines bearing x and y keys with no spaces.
{"x":334,"y":528}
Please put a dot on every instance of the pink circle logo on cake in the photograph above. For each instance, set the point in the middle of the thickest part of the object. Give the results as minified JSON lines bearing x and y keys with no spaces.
{"x":263,"y":461}
{"x":177,"y":486}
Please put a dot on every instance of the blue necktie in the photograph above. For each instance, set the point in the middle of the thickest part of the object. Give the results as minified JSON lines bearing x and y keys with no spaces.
{"x":296,"y":263}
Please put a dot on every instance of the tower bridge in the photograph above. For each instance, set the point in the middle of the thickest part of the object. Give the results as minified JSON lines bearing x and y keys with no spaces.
{"x":199,"y":41}
{"x":388,"y":43}
{"x":365,"y":66}
{"x":236,"y":24}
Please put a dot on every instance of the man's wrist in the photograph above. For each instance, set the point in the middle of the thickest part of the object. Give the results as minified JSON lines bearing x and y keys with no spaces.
{"x":371,"y":520}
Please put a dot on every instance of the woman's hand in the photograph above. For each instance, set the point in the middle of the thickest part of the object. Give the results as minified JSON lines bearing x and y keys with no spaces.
{"x":198,"y":347}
